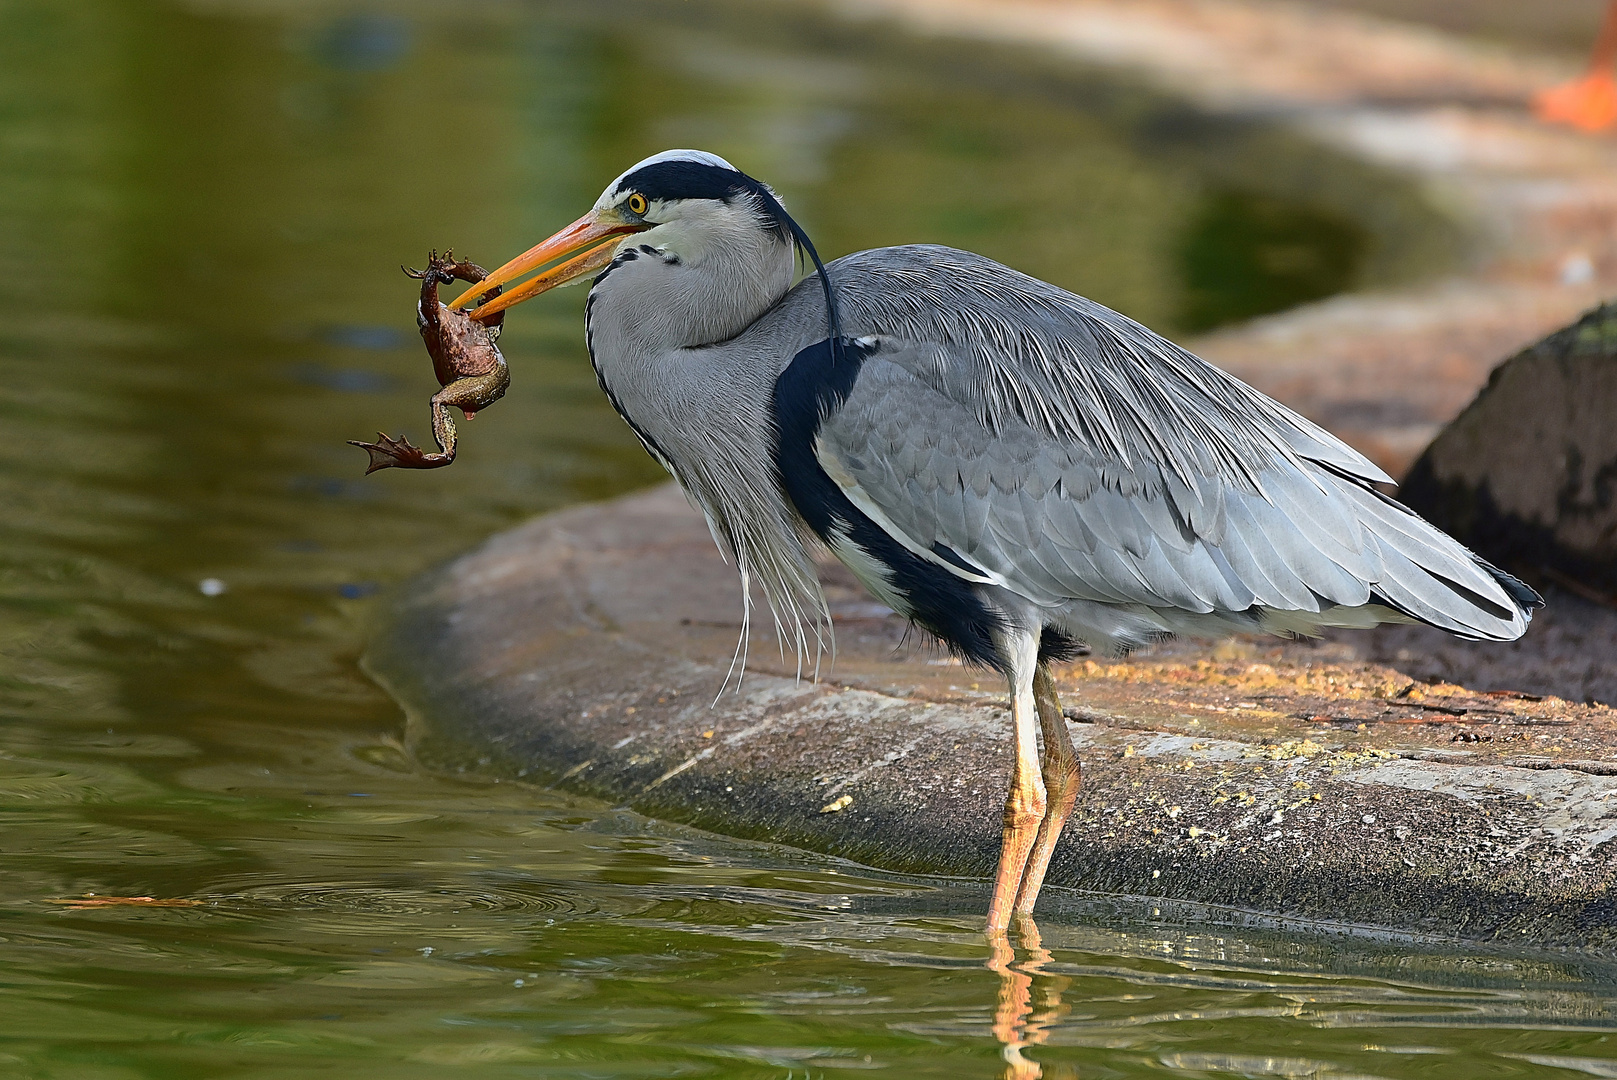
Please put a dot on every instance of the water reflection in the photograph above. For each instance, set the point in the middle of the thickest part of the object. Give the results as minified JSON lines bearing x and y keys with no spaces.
{"x":1029,"y":999}
{"x":396,"y":924}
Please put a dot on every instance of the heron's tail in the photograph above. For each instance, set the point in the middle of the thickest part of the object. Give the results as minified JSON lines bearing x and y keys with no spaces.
{"x":1428,"y":576}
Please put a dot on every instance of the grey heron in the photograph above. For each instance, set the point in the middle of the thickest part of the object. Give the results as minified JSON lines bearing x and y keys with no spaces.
{"x":1012,"y":467}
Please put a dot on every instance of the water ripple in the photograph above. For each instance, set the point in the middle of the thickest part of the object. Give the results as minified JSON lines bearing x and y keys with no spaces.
{"x":408,"y":901}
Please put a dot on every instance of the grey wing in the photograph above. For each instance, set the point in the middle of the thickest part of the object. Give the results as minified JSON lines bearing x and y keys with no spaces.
{"x":1019,"y":435}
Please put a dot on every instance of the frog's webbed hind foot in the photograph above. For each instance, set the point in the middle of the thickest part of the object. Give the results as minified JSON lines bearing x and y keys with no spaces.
{"x":400,"y":453}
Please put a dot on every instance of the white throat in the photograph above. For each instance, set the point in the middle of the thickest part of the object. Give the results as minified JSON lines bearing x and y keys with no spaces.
{"x":710,"y":273}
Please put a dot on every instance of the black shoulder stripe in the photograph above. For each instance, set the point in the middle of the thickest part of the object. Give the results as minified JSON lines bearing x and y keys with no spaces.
{"x":813,"y":387}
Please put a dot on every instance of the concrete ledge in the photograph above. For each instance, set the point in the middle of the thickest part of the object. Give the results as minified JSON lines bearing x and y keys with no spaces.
{"x":584,"y":650}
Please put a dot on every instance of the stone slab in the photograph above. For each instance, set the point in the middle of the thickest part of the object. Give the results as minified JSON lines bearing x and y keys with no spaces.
{"x":586,"y":650}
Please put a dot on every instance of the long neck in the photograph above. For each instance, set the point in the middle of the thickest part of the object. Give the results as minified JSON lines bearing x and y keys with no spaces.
{"x":678,"y":339}
{"x":661,"y":316}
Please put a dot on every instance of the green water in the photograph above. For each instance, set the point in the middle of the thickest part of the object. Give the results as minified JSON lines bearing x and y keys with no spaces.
{"x":202,"y":206}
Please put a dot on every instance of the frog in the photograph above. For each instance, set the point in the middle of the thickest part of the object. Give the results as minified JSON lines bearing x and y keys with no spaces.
{"x":465,"y":358}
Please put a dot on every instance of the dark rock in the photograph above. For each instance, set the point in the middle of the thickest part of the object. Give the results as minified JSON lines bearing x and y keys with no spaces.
{"x":1527,"y":474}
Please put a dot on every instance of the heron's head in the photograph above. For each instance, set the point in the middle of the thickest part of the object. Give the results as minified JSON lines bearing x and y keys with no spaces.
{"x":693,"y":206}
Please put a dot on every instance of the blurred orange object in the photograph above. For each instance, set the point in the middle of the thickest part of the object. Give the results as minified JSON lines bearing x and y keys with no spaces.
{"x":1588,"y":103}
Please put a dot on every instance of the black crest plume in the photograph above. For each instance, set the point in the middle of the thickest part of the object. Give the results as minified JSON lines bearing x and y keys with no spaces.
{"x":774,"y":209}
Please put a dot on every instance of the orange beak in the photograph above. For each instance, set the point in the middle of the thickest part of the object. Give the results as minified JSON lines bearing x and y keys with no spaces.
{"x":579,"y":236}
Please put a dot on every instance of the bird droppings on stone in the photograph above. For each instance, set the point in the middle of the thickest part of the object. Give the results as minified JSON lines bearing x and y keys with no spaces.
{"x":1291,"y":748}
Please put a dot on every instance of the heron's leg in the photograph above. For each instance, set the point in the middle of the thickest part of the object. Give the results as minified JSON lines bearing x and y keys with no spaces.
{"x":1061,"y":779}
{"x":1024,"y":806}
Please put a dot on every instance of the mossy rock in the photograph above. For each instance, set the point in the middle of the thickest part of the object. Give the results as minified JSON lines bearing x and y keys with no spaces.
{"x":1527,"y":474}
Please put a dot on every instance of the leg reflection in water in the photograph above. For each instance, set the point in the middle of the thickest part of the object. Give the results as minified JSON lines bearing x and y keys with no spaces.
{"x":1029,"y":1000}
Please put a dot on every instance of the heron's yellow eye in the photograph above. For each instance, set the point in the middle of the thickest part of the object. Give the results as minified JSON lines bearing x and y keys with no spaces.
{"x":637,"y":204}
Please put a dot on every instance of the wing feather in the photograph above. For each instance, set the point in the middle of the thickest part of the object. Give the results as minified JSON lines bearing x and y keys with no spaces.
{"x":1251,"y":552}
{"x":1080,"y":459}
